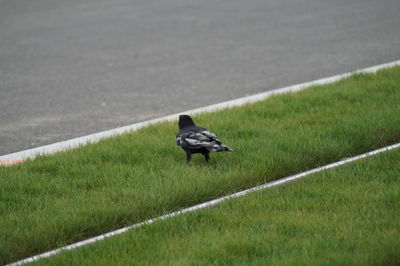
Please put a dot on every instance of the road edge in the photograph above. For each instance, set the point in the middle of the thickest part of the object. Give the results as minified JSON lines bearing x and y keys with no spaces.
{"x":16,"y":157}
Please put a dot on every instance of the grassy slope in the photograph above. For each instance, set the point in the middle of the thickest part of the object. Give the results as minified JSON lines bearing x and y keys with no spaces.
{"x":59,"y":199}
{"x":346,"y":216}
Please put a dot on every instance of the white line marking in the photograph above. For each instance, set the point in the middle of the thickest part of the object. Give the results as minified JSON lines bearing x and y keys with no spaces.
{"x":16,"y":157}
{"x":204,"y":205}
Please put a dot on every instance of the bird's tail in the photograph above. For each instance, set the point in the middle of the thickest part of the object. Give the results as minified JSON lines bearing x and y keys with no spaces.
{"x":226,"y":148}
{"x":219,"y":147}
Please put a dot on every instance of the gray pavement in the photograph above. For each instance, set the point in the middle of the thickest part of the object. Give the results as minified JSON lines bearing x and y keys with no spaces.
{"x":75,"y":67}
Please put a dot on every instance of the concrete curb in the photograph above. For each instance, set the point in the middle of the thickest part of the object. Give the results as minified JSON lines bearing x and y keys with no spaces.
{"x":204,"y":205}
{"x":16,"y":157}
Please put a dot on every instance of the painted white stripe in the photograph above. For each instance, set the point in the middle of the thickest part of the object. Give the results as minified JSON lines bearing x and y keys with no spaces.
{"x":204,"y":205}
{"x":73,"y":143}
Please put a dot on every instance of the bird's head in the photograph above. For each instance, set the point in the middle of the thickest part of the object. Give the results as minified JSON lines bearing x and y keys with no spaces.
{"x":185,"y":121}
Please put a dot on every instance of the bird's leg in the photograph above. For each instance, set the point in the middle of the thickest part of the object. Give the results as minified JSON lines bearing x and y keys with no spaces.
{"x":206,"y":156}
{"x":188,"y":157}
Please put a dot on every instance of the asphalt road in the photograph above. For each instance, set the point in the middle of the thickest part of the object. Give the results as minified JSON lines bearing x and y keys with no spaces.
{"x":75,"y":67}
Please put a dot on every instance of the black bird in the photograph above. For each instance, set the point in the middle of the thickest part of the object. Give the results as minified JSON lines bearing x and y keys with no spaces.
{"x":194,"y":139}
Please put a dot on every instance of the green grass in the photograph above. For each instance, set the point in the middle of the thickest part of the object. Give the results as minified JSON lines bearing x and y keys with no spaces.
{"x":59,"y":199}
{"x":345,"y":216}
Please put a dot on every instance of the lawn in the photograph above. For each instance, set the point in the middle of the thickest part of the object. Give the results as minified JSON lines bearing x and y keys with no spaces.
{"x":346,"y":216}
{"x":59,"y":199}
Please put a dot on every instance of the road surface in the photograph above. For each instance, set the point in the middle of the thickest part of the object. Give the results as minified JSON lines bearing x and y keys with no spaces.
{"x":75,"y":67}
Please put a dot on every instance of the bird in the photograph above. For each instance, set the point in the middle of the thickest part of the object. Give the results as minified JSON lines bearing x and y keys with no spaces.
{"x":195,"y":139}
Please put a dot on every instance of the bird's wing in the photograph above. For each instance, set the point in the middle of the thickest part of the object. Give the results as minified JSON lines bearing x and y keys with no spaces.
{"x":198,"y":139}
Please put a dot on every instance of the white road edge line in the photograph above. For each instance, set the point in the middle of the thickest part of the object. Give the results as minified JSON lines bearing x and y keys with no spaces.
{"x":16,"y":157}
{"x":204,"y":205}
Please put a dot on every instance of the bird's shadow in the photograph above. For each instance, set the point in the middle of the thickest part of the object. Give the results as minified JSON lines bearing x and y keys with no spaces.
{"x":201,"y":163}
